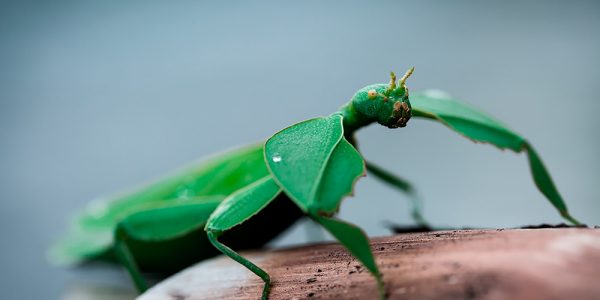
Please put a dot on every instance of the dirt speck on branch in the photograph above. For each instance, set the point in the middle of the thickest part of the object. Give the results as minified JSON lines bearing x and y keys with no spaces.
{"x":549,"y":263}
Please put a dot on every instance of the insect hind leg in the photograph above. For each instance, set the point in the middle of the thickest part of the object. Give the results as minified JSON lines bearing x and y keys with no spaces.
{"x":126,"y":258}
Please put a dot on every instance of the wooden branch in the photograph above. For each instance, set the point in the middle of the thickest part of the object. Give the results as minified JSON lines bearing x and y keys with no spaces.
{"x":463,"y":264}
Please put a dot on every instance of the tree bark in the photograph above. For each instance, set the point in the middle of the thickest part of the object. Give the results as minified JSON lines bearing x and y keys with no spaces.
{"x":461,"y":264}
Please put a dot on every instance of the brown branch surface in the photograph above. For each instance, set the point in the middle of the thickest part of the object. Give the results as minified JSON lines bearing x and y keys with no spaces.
{"x":463,"y":264}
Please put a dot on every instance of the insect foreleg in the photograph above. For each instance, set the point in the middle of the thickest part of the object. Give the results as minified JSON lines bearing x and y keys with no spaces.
{"x":481,"y":127}
{"x":404,"y":186}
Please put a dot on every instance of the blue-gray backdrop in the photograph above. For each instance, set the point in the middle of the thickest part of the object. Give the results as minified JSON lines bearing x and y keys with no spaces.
{"x":97,"y":96}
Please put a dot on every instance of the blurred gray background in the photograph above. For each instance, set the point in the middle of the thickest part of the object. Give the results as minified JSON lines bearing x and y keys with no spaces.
{"x":98,"y":96}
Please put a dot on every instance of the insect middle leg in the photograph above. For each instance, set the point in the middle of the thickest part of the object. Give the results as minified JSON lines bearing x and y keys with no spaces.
{"x":236,"y":209}
{"x":404,"y":186}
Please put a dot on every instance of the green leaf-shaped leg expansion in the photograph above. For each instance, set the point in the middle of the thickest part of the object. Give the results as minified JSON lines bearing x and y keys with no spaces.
{"x":236,"y":209}
{"x":356,"y":241}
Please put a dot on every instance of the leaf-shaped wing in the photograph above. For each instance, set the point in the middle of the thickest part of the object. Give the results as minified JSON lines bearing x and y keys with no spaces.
{"x":314,"y":164}
{"x":480,"y":127}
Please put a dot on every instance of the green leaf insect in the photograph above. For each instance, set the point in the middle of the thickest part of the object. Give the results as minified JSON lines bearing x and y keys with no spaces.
{"x":243,"y":198}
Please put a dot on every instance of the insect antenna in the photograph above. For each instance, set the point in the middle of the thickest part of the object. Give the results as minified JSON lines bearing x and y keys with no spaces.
{"x":392,"y":85}
{"x":406,"y":75}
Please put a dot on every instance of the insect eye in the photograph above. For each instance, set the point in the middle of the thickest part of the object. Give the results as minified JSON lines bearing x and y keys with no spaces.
{"x":372,"y":94}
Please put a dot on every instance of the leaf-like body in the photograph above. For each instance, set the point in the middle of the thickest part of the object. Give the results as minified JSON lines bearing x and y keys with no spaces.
{"x":314,"y":164}
{"x":480,"y":127}
{"x":82,"y":243}
{"x":91,"y":233}
{"x":220,"y":175}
